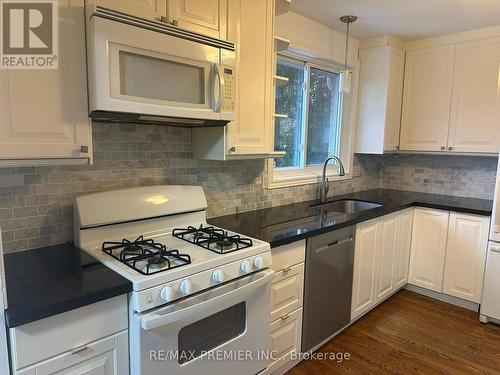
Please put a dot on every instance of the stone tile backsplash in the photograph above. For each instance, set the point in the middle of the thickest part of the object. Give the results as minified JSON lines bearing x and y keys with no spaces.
{"x":36,"y":202}
{"x":466,"y":176}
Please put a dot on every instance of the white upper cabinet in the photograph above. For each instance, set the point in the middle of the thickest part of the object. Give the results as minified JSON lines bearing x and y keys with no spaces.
{"x":44,"y":113}
{"x":428,"y":248}
{"x":475,"y":109}
{"x":202,"y":16}
{"x":251,"y":24}
{"x":427,"y":99}
{"x":379,"y":102}
{"x":402,"y":256}
{"x":466,"y":256}
{"x":152,"y":9}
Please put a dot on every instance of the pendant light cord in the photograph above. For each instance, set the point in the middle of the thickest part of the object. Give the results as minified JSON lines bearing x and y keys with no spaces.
{"x":346,"y":47}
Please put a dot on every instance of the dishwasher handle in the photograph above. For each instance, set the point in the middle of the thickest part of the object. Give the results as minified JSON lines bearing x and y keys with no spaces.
{"x":334,"y":244}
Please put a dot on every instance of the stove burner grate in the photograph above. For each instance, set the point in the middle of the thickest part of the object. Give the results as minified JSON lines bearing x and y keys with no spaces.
{"x":154,"y":255}
{"x":213,"y":239}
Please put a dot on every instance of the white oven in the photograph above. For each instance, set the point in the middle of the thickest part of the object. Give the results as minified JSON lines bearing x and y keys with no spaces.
{"x":224,"y":330}
{"x":148,"y":71}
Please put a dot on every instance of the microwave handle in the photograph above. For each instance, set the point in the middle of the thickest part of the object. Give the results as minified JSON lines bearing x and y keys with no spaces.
{"x":154,"y":320}
{"x":217,"y":102}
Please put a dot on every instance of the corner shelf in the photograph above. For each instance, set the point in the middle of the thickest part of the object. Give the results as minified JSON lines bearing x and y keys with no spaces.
{"x":280,"y":44}
{"x":282,"y":6}
{"x":280,"y":80}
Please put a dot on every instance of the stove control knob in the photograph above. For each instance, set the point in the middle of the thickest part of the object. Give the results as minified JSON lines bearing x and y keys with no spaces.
{"x":258,"y":262}
{"x":245,"y":267}
{"x":218,"y":276}
{"x":186,"y":286}
{"x":167,"y":294}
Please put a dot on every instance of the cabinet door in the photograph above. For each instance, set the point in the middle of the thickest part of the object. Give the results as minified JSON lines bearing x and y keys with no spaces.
{"x":202,"y":16}
{"x":402,"y":256}
{"x":108,"y":356}
{"x":152,"y":9}
{"x":427,"y":99}
{"x":44,"y":113}
{"x":475,"y":110}
{"x":385,"y":256}
{"x":466,"y":256}
{"x":394,"y":99}
{"x":428,"y":248}
{"x":363,"y":287}
{"x":250,"y":132}
{"x":287,"y":291}
{"x":286,"y":334}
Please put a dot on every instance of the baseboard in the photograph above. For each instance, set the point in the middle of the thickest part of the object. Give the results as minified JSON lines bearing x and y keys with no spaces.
{"x":443,"y":297}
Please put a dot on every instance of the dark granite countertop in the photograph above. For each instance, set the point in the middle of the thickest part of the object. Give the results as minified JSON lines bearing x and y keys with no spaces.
{"x":286,"y":224}
{"x":55,"y":279}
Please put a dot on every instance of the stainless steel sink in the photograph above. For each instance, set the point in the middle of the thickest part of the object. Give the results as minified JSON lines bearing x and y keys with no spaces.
{"x":347,"y":206}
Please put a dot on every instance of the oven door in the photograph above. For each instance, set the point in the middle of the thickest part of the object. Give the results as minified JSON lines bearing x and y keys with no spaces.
{"x":139,"y":71}
{"x":224,"y":330}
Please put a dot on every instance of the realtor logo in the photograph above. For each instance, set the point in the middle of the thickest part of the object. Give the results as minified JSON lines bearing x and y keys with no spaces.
{"x":29,"y":34}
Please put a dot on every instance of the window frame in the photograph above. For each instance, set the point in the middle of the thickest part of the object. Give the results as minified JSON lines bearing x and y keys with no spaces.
{"x":292,"y":176}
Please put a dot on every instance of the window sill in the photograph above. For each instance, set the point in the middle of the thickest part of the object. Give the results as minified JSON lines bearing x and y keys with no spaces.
{"x":281,"y":181}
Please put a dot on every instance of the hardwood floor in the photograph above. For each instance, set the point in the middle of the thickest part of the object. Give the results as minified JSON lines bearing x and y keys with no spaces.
{"x":413,"y":334}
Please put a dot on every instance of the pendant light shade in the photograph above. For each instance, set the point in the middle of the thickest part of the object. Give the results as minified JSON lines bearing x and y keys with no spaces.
{"x":346,"y":74}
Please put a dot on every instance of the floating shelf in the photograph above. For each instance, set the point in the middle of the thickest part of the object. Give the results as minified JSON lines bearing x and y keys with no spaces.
{"x":282,"y":6}
{"x":280,"y":44}
{"x":278,"y":115}
{"x":280,"y":80}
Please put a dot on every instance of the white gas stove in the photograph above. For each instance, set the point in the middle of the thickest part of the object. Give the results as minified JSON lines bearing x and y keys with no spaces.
{"x":185,"y":274}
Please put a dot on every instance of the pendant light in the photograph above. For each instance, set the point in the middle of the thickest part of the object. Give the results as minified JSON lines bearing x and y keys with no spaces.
{"x":345,"y":75}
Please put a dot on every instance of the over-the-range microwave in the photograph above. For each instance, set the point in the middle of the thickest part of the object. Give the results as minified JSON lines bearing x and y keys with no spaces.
{"x":149,"y":71}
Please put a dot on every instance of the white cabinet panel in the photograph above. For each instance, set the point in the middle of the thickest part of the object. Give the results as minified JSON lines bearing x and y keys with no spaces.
{"x":202,"y":16}
{"x":288,"y":255}
{"x":385,"y":256}
{"x":367,"y":240}
{"x":402,"y":256}
{"x":44,"y":113}
{"x":287,"y":291}
{"x":286,"y":336}
{"x":152,"y":9}
{"x":475,"y":110}
{"x":428,"y":248}
{"x":427,"y":99}
{"x":379,"y":102}
{"x":466,"y":256}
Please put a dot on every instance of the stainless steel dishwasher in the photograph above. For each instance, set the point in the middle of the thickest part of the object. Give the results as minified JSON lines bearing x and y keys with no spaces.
{"x":328,"y":285}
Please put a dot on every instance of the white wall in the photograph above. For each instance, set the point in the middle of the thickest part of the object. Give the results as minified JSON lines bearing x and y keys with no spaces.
{"x":317,"y":39}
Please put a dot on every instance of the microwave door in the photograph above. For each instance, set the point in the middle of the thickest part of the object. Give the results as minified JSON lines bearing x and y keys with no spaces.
{"x":145,"y":72}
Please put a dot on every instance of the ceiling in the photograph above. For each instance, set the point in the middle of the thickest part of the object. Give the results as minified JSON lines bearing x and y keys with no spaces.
{"x":405,"y":19}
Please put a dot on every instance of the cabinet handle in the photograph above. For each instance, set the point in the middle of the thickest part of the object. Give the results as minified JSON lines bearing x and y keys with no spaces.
{"x":285,"y":317}
{"x":443,"y":148}
{"x":286,"y":269}
{"x":84,"y":149}
{"x":450,"y":148}
{"x":79,"y":350}
{"x":232,"y":149}
{"x":166,"y":20}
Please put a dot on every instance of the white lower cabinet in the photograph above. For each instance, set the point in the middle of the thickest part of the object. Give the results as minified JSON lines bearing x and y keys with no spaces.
{"x":286,"y":304}
{"x":428,"y":248}
{"x":466,"y":256}
{"x":91,"y":340}
{"x":365,"y":259}
{"x":286,"y":335}
{"x":380,"y":260}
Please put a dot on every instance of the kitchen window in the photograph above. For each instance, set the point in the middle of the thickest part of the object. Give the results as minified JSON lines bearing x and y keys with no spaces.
{"x":313,"y":129}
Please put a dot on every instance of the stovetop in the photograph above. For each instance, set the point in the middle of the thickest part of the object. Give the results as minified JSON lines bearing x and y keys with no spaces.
{"x":159,"y":257}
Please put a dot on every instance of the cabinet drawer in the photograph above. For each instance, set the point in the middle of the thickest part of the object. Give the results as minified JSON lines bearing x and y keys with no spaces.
{"x":106,"y":356}
{"x":286,"y":334}
{"x":287,"y":291}
{"x":45,"y":338}
{"x":288,"y":255}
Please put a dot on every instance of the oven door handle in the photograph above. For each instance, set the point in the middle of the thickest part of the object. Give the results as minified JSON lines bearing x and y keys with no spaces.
{"x":154,"y":320}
